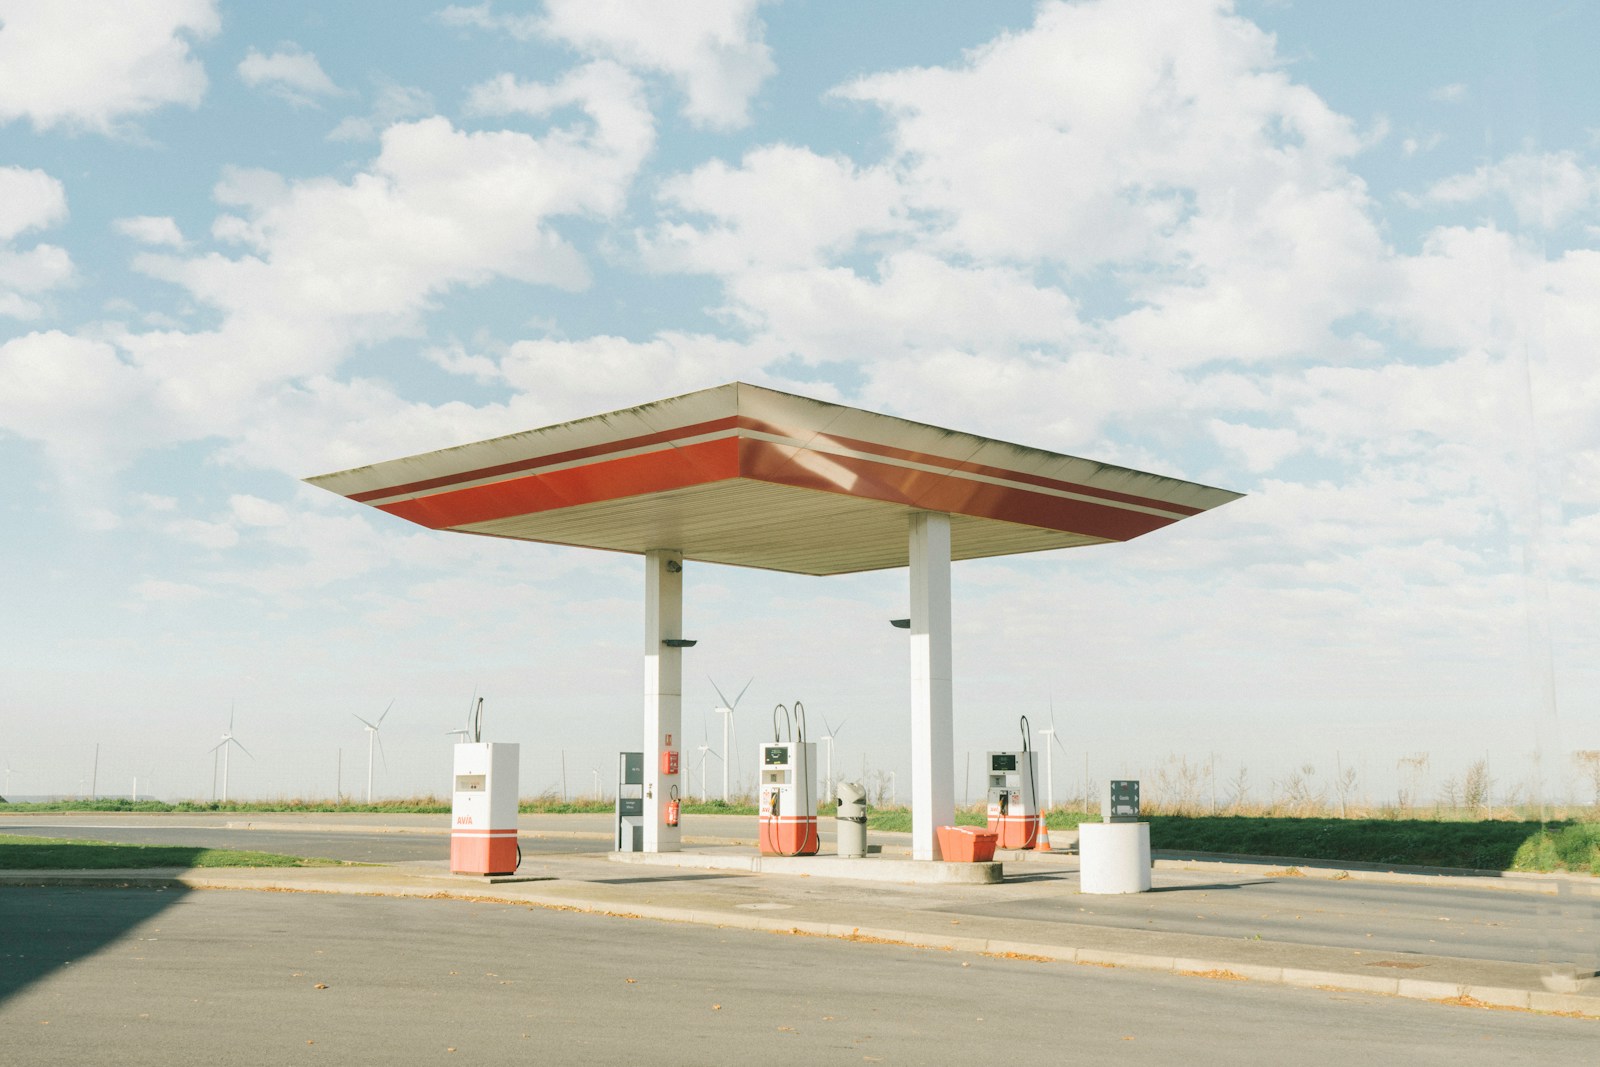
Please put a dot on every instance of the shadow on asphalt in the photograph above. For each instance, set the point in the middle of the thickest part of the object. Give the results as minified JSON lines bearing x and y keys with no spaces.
{"x":43,"y":929}
{"x":664,"y":878}
{"x":1043,"y":876}
{"x":1209,"y":886}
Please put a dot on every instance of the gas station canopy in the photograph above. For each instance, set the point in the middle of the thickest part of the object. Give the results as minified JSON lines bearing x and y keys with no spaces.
{"x":757,"y":478}
{"x":748,"y":476}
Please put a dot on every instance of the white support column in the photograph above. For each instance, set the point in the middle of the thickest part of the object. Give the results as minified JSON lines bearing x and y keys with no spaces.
{"x":933,"y":784}
{"x":663,"y":694}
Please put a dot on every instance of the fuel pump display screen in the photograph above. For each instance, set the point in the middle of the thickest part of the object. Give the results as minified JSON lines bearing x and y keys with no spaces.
{"x":469,"y":783}
{"x":1003,"y":761}
{"x":776,"y":755}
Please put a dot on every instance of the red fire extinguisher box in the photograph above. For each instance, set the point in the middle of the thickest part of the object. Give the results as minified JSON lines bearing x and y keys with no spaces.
{"x":967,"y":844}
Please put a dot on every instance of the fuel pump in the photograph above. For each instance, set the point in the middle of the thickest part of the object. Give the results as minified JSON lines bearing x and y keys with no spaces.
{"x":1013,"y":813}
{"x":788,"y":812}
{"x":483,"y":807}
{"x":630,"y":802}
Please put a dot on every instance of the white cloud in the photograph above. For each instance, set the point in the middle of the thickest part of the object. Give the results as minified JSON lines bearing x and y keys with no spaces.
{"x":291,"y":74}
{"x":454,"y":359}
{"x":74,"y":394}
{"x":151,"y":230}
{"x":1155,"y":139}
{"x":254,"y":511}
{"x":329,"y":265}
{"x":1098,"y":132}
{"x":602,"y":373}
{"x":439,"y":208}
{"x":94,"y":63}
{"x":29,"y":199}
{"x":213,"y":535}
{"x":1452,"y":93}
{"x":916,"y":304}
{"x":26,"y":274}
{"x":711,"y":49}
{"x":1544,"y":190}
{"x":155,"y":591}
{"x":783,"y":206}
{"x":391,"y":103}
{"x":483,"y":17}
{"x":1154,"y":146}
{"x":1413,"y":145}
{"x":1260,"y":448}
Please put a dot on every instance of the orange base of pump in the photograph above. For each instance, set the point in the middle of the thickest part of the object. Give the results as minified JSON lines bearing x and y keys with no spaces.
{"x":481,"y":854}
{"x":965,"y":844}
{"x":789,"y":835}
{"x":1016,"y":831}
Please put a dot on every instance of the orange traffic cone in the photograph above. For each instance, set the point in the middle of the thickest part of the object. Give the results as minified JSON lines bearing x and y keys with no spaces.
{"x":1044,"y":836}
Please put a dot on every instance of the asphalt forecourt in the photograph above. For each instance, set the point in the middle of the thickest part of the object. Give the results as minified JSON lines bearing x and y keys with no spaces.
{"x":1456,"y":939}
{"x":162,"y":976}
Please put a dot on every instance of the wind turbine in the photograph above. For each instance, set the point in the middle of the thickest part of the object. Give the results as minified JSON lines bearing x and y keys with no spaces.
{"x":474,"y":705}
{"x":725,"y":709}
{"x":372,"y":735}
{"x":228,"y":739}
{"x":827,"y":739}
{"x":707,"y":750}
{"x":1049,"y":775}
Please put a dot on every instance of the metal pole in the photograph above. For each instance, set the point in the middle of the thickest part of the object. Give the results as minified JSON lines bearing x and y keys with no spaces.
{"x":726,"y":716}
{"x":1049,"y":768}
{"x":94,"y":775}
{"x":828,"y":779}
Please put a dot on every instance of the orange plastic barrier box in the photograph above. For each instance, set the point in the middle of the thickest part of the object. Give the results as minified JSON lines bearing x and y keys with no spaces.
{"x":967,"y":844}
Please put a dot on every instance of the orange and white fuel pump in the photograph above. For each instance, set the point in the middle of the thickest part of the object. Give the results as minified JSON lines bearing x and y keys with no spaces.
{"x":788,"y":813}
{"x":1013,"y":811}
{"x":483,"y":809}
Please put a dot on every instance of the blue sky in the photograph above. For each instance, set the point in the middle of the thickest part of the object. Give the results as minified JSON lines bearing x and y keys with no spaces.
{"x":1339,"y":257}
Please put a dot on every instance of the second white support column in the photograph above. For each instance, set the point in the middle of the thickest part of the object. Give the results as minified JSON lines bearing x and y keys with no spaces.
{"x":663,"y":694}
{"x":932,"y":693}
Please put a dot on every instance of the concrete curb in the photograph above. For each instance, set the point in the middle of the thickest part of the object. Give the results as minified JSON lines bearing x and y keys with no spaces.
{"x":860,"y":869}
{"x":1549,"y":883}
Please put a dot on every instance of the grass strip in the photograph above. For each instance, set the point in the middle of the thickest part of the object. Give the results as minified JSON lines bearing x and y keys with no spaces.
{"x":1489,"y":844}
{"x":1493,"y":845}
{"x":1480,"y":844}
{"x":19,"y":853}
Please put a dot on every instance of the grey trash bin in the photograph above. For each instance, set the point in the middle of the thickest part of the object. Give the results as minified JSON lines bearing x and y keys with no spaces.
{"x":850,"y":830}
